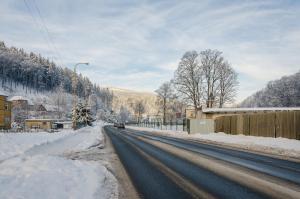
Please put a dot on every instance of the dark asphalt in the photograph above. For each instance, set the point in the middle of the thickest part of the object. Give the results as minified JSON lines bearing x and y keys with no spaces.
{"x":283,"y":169}
{"x":152,"y":183}
{"x":148,"y":180}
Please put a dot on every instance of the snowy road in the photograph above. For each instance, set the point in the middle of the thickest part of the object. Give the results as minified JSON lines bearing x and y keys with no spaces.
{"x":164,"y":167}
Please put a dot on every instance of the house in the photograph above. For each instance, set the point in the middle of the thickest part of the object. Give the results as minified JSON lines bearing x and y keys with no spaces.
{"x":45,"y":124}
{"x":19,"y":102}
{"x":5,"y":112}
{"x":19,"y":109}
{"x":37,"y":107}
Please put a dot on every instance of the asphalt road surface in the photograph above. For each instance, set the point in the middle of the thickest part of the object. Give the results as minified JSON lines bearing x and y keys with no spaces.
{"x":165,"y":167}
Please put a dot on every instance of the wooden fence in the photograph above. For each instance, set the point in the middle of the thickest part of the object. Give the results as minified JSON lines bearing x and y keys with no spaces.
{"x":275,"y":124}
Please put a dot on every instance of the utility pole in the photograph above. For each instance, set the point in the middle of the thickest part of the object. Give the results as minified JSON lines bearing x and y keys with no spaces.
{"x":75,"y":94}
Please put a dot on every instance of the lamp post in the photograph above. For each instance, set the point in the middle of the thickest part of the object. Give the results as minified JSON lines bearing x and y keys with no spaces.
{"x":75,"y":94}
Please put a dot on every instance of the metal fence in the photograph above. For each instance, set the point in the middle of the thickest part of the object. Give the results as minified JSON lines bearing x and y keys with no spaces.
{"x":169,"y":125}
{"x":277,"y":124}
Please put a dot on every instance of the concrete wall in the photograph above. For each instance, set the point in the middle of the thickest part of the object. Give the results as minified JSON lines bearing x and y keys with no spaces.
{"x":201,"y":126}
{"x":38,"y":124}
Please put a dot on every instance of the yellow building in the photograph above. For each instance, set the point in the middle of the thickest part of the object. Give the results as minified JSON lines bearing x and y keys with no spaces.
{"x":45,"y":124}
{"x":5,"y":113}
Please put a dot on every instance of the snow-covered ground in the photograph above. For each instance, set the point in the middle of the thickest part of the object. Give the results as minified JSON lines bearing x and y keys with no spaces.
{"x":12,"y":144}
{"x":34,"y":165}
{"x":276,"y":146}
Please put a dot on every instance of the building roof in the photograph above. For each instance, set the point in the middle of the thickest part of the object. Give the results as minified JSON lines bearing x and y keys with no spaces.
{"x":40,"y":120}
{"x":222,"y":110}
{"x":17,"y":98}
{"x":2,"y":94}
{"x":66,"y":122}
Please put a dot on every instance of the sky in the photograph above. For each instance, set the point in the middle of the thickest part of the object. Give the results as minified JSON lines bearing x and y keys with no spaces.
{"x":138,"y":44}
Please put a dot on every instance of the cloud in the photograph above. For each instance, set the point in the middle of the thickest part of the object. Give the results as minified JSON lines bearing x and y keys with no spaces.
{"x":138,"y":44}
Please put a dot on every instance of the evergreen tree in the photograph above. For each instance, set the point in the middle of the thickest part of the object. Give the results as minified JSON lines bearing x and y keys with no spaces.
{"x":82,"y":115}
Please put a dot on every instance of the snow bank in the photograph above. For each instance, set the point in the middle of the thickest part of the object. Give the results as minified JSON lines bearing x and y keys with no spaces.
{"x":81,"y":140}
{"x":277,"y":146}
{"x":54,"y":177}
{"x":174,"y":133}
{"x":33,"y":165}
{"x":282,"y":146}
{"x":12,"y":144}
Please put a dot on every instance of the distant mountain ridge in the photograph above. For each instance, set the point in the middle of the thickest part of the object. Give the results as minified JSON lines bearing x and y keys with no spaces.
{"x":127,"y":98}
{"x":284,"y":92}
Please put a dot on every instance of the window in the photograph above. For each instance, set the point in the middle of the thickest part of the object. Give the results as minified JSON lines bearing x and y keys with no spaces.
{"x":7,"y":120}
{"x":6,"y":107}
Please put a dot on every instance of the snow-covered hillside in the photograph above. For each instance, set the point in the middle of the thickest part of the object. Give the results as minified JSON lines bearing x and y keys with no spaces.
{"x":48,"y":99}
{"x":126,"y":98}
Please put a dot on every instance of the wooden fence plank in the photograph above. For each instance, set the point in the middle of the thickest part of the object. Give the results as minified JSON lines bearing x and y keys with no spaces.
{"x":297,"y":124}
{"x":276,"y":124}
{"x":226,"y":124}
{"x":233,"y":124}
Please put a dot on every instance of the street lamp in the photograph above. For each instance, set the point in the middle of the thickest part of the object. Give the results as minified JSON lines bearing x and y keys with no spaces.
{"x":75,"y":93}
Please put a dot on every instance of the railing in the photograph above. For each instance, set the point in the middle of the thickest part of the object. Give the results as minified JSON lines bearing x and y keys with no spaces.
{"x":169,"y":125}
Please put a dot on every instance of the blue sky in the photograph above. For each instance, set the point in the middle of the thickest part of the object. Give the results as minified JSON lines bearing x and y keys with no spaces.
{"x":138,"y":44}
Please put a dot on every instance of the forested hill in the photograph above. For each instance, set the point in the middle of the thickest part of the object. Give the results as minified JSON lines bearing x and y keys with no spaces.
{"x":284,"y":92}
{"x":33,"y":71}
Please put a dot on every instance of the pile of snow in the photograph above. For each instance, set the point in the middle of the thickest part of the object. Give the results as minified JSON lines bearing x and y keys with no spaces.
{"x":174,"y":133}
{"x":54,"y":177}
{"x":33,"y":165}
{"x":282,"y":146}
{"x":12,"y":144}
{"x":277,"y":146}
{"x":81,"y":140}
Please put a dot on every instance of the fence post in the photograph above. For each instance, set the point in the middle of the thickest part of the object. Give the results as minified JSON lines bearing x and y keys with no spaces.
{"x":160,"y":126}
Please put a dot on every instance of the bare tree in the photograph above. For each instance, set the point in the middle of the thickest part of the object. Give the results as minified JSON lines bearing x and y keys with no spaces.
{"x":227,"y":84}
{"x":211,"y":62}
{"x":59,"y":99}
{"x":205,"y":78}
{"x":165,"y":94}
{"x":188,"y":79}
{"x":139,"y":109}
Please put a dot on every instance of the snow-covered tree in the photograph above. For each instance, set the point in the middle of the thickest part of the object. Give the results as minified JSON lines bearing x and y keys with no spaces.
{"x":124,"y":114}
{"x":38,"y":74}
{"x":284,"y":92}
{"x":82,"y":115}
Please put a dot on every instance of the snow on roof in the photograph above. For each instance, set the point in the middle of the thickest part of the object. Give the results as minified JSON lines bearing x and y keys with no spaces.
{"x":217,"y":110}
{"x":40,"y":119}
{"x":65,"y":122}
{"x":19,"y":97}
{"x":16,"y":98}
{"x":2,"y":94}
{"x":50,"y":107}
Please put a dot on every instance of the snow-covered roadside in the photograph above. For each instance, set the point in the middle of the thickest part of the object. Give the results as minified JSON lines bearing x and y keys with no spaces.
{"x":276,"y":146}
{"x":39,"y":169}
{"x":12,"y":144}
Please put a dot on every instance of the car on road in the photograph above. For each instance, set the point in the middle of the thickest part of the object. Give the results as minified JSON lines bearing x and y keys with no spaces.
{"x":119,"y":125}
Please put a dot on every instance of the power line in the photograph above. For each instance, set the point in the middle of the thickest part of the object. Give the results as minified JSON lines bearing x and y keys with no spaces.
{"x":47,"y":31}
{"x":46,"y":36}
